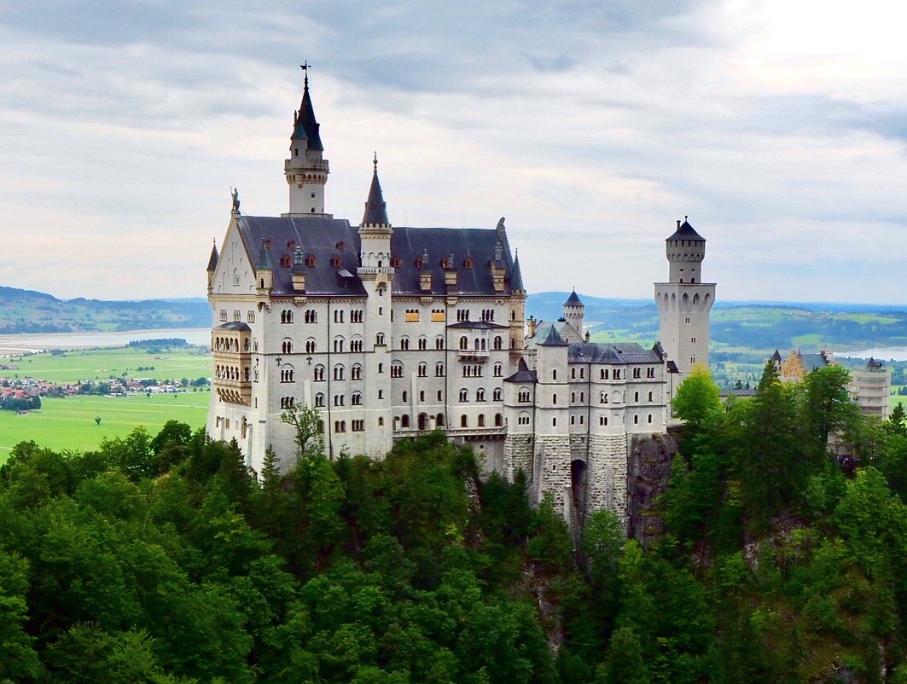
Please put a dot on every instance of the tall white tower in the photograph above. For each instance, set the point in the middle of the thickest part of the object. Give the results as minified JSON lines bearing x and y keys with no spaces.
{"x":306,"y":171}
{"x":684,"y":301}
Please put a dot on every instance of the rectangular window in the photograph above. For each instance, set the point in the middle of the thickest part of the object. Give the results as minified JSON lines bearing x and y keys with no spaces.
{"x":412,"y":316}
{"x":437,"y":315}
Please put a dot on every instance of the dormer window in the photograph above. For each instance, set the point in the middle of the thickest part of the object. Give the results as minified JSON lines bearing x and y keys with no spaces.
{"x":310,"y":261}
{"x":396,"y":262}
{"x":419,"y":263}
{"x":467,"y":263}
{"x":340,"y":245}
{"x":285,"y":261}
{"x":335,"y":261}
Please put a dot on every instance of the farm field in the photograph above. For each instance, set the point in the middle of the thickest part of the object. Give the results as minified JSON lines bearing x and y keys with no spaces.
{"x":103,"y":364}
{"x":69,"y":423}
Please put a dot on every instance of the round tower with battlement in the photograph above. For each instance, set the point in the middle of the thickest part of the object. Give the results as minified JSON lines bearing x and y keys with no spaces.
{"x":684,"y":302}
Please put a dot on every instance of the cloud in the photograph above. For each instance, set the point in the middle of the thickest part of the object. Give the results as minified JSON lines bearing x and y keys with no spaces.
{"x":591,"y":126}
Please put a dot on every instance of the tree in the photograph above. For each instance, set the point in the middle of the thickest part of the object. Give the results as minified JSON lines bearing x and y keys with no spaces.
{"x":308,"y":429}
{"x":698,"y":399}
{"x":828,"y":405}
{"x":896,"y":419}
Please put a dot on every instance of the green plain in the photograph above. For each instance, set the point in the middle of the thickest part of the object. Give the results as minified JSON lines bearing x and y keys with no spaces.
{"x":102,"y":364}
{"x":69,"y":423}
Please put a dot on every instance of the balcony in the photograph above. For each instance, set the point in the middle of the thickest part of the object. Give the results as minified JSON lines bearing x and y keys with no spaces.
{"x":233,"y":391}
{"x":473,"y":355}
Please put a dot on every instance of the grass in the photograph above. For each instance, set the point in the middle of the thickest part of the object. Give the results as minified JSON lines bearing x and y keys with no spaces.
{"x":102,"y":364}
{"x":70,"y":423}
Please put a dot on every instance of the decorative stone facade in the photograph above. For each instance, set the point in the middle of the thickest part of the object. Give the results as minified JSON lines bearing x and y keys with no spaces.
{"x":392,"y":331}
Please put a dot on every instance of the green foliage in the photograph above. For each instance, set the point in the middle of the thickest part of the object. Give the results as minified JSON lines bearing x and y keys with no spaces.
{"x":697,"y":400}
{"x":160,"y":558}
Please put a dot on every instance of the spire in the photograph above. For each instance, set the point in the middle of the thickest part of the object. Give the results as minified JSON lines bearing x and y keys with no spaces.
{"x":375,"y":208}
{"x":305,"y":126}
{"x":212,"y":260}
{"x":265,"y":262}
{"x":574,"y":300}
{"x":516,"y":277}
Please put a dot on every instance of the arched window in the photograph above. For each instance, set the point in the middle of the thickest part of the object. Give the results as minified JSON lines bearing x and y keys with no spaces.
{"x":287,"y":346}
{"x":480,"y":395}
{"x":396,"y":369}
{"x":356,"y":399}
{"x":464,"y":422}
{"x":338,"y":345}
{"x":319,"y":373}
{"x":481,"y":420}
{"x":498,"y":394}
{"x":464,"y":343}
{"x":319,"y":400}
{"x":422,"y":370}
{"x":439,"y":342}
{"x":498,"y":370}
{"x":464,"y":395}
{"x":498,"y":420}
{"x":423,"y":343}
{"x":439,"y":420}
{"x":498,"y":343}
{"x":379,"y":340}
{"x":310,"y":346}
{"x":338,"y":372}
{"x":404,"y":343}
{"x":439,"y":370}
{"x":404,"y":421}
{"x":356,"y":372}
{"x":524,"y":394}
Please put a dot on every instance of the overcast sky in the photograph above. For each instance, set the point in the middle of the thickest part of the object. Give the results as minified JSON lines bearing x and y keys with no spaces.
{"x":779,"y":127}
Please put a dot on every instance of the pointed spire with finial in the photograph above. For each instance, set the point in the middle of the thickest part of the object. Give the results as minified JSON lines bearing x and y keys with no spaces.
{"x":305,"y":126}
{"x":212,"y":260}
{"x":516,"y":277}
{"x":375,"y":208}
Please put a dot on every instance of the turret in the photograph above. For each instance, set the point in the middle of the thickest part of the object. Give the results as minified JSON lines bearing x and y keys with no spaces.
{"x":264,"y":269}
{"x":574,"y":312}
{"x":306,"y":170}
{"x":684,"y":301}
{"x":685,"y":250}
{"x":212,"y":267}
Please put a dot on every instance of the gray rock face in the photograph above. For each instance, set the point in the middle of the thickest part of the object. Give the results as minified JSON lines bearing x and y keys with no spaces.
{"x":649,"y":468}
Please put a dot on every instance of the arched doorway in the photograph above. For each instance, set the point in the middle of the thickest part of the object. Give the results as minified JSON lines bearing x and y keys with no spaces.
{"x":423,"y":421}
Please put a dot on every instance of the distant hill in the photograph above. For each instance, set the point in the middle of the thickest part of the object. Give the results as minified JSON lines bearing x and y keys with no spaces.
{"x":27,"y":311}
{"x":735,"y":325}
{"x":744,"y":325}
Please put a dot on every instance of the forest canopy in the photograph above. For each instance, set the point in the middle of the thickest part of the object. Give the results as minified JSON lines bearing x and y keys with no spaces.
{"x":162,"y":558}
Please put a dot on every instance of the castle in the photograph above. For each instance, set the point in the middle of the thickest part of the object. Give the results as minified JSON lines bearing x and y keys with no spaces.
{"x":391,"y":331}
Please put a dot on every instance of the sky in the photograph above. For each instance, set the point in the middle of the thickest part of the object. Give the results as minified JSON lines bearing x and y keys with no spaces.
{"x":778,"y":127}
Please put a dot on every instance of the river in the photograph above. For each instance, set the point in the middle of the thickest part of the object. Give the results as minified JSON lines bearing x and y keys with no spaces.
{"x":31,"y":342}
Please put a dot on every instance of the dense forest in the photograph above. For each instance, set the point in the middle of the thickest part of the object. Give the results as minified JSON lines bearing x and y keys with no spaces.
{"x":163,"y":559}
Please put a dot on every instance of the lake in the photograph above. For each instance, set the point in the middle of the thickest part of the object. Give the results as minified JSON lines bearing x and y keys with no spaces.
{"x":881,"y":353}
{"x":31,"y":342}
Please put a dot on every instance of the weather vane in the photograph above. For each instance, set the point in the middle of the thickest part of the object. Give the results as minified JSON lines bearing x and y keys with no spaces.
{"x":305,"y":68}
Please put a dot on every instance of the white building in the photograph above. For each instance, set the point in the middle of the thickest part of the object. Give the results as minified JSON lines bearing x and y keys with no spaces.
{"x":390,"y":331}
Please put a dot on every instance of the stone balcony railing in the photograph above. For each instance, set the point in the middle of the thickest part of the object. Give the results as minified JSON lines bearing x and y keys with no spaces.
{"x":473,"y":354}
{"x":233,"y":391}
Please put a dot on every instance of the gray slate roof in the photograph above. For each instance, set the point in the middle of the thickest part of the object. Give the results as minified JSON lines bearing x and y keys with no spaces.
{"x":305,"y":127}
{"x":574,"y":300}
{"x":476,"y":325}
{"x":375,"y":208}
{"x":686,"y":232}
{"x":234,"y":325}
{"x":523,"y":374}
{"x":324,"y":237}
{"x":516,"y":278}
{"x":552,"y":339}
{"x":608,"y":353}
{"x":813,"y":361}
{"x":212,"y":260}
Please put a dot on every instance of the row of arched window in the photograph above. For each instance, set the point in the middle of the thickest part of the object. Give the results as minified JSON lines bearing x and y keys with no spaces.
{"x":481,"y":344}
{"x":496,"y":395}
{"x":223,"y":372}
{"x":230,"y":344}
